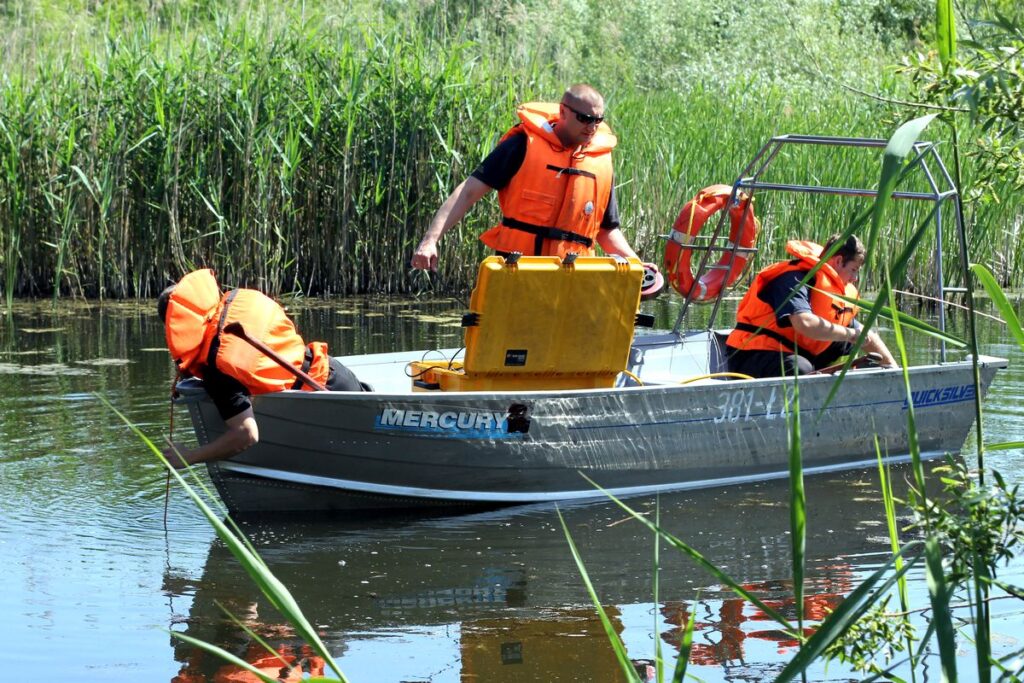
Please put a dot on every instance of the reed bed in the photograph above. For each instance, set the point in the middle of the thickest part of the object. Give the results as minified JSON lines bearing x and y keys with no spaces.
{"x":296,"y":151}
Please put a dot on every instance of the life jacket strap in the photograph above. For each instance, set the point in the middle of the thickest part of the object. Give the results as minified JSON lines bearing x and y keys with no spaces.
{"x":561,"y":170}
{"x":307,"y":360}
{"x":787,"y":344}
{"x":545,"y":232}
{"x":211,"y":357}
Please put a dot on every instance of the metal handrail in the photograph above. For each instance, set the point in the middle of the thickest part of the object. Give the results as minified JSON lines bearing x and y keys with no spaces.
{"x":748,"y":182}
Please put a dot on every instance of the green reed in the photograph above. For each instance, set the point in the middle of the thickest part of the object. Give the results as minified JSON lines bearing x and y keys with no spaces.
{"x":299,"y":150}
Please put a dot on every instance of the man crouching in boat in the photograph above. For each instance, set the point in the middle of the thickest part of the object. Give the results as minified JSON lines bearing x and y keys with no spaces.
{"x":785,"y":328}
{"x":195,"y":313}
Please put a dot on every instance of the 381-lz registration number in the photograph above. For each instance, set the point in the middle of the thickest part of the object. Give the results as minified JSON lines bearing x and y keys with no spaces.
{"x":740,"y":405}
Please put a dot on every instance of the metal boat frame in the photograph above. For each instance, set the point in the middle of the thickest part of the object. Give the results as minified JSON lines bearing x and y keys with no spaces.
{"x":926,"y":156}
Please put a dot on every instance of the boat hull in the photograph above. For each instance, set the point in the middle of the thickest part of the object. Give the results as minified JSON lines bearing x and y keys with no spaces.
{"x":374,"y":451}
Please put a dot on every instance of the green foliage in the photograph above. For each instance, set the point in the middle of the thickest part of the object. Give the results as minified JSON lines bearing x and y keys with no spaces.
{"x":986,"y":80}
{"x":896,"y":22}
{"x":872,"y":642}
{"x":972,"y":522}
{"x":305,"y":149}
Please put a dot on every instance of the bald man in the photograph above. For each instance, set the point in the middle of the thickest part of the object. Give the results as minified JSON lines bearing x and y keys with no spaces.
{"x":553,"y":174}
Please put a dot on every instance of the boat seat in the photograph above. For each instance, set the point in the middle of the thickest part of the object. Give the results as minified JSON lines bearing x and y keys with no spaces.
{"x":717,"y":361}
{"x":541,"y":322}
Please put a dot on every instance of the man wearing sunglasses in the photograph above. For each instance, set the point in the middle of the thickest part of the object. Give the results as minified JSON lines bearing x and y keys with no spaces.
{"x":553,"y":173}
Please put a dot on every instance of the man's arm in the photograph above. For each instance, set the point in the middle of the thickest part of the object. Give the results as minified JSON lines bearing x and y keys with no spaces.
{"x":242,"y":433}
{"x":873,"y":344}
{"x":813,"y":326}
{"x":462,"y":198}
{"x":614,"y":242}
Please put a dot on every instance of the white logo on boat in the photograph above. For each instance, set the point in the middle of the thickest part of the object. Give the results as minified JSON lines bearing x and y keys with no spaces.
{"x":473,"y":424}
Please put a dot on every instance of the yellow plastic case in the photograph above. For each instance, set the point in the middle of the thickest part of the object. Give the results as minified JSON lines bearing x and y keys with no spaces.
{"x":544,"y":324}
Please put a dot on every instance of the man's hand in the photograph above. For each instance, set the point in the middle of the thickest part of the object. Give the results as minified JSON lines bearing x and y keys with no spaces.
{"x":425,"y":256}
{"x":174,"y":454}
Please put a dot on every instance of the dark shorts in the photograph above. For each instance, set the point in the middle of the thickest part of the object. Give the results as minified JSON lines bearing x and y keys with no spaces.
{"x":343,"y":379}
{"x":779,"y":364}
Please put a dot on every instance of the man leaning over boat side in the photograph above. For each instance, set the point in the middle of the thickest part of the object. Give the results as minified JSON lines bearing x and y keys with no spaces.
{"x":553,"y":173}
{"x":785,"y":328}
{"x":194,"y":313}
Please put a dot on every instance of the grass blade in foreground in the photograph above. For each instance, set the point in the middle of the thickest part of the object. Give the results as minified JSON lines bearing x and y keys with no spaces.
{"x":982,"y":624}
{"x":659,"y":664}
{"x":945,"y":33}
{"x":900,"y":145}
{"x":613,"y":637}
{"x":685,"y":647}
{"x":1000,"y":301}
{"x":908,"y":321}
{"x":1005,"y":446}
{"x":255,"y":636}
{"x":893,"y":169}
{"x":797,"y":504}
{"x":913,"y":443}
{"x":849,"y":611}
{"x":269,"y":585}
{"x":889,"y":503}
{"x":226,"y":656}
{"x":939,"y":593}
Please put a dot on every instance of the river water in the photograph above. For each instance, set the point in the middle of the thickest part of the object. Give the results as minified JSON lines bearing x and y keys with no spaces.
{"x":94,"y":579}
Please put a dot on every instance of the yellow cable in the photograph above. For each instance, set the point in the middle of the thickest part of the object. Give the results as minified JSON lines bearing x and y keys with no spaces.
{"x":715,"y":375}
{"x":635,"y":378}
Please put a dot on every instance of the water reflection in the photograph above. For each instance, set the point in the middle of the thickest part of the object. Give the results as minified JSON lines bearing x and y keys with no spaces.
{"x":497,"y":595}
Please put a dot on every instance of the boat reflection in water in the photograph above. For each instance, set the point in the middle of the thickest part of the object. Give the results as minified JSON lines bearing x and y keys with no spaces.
{"x":497,"y":597}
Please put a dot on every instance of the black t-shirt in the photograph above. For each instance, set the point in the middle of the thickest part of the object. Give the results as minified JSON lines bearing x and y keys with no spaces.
{"x":226,"y":392}
{"x":774,"y":294}
{"x":504,"y":162}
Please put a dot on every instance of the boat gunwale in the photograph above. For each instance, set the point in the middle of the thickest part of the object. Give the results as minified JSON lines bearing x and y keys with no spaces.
{"x":984,"y":361}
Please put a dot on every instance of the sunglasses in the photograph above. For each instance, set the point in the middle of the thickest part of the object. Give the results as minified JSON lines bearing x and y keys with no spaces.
{"x":586,"y":119}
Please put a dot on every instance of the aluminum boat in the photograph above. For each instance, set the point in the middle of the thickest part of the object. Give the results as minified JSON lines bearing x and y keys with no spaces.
{"x":666,"y":419}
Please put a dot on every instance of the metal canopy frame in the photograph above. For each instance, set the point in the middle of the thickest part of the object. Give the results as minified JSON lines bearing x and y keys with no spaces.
{"x":926,"y":158}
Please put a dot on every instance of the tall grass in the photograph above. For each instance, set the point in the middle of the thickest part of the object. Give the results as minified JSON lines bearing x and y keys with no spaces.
{"x":302,"y":150}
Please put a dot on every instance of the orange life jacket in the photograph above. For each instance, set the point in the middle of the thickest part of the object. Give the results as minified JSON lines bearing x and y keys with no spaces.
{"x":756,"y":327}
{"x":196,"y":314}
{"x":555,"y":203}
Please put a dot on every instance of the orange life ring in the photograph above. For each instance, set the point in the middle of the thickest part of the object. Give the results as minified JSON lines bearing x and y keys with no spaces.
{"x":678,"y":251}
